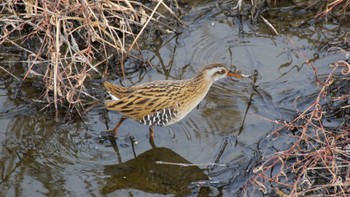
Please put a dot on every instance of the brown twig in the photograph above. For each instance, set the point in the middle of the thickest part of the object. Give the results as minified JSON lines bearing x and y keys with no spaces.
{"x":316,"y":150}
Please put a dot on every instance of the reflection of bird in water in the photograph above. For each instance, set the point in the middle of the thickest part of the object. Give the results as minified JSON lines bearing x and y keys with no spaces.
{"x":143,"y":173}
{"x":162,"y":103}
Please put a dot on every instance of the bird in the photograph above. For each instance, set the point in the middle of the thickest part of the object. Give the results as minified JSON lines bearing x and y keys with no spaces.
{"x":164,"y":102}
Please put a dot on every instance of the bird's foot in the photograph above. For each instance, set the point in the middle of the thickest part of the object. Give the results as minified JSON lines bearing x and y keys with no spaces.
{"x":108,"y":133}
{"x":106,"y":138}
{"x":132,"y":139}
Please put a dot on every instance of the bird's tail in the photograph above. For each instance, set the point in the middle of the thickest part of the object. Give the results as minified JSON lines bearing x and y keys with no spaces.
{"x":116,"y":92}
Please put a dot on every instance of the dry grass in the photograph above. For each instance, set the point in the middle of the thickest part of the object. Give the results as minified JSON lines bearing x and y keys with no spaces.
{"x":335,"y":7}
{"x":73,"y":39}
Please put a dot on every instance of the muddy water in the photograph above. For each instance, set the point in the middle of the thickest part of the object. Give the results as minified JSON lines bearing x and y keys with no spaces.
{"x":39,"y":157}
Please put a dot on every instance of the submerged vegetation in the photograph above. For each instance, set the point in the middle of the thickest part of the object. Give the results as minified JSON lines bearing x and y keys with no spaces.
{"x":318,"y":160}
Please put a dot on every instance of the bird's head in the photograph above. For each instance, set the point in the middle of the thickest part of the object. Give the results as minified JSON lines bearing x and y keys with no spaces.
{"x":214,"y":72}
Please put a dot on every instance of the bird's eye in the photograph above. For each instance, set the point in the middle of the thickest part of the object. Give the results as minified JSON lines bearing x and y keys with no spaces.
{"x":221,"y":72}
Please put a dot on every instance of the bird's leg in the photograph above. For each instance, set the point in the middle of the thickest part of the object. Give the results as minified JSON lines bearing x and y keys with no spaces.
{"x":151,"y":135}
{"x":115,"y":129}
{"x":151,"y":131}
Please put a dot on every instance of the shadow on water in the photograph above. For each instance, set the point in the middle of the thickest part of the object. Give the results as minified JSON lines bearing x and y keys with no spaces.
{"x":143,"y":173}
{"x":40,"y":157}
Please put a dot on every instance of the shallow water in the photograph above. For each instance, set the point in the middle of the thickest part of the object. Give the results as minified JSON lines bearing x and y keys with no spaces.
{"x":39,"y":157}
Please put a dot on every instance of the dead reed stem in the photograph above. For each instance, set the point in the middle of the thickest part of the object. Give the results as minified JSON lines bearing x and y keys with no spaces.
{"x":71,"y":36}
{"x":331,"y":6}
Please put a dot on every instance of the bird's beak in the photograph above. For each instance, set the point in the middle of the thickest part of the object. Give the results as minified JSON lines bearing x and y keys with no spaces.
{"x":232,"y":74}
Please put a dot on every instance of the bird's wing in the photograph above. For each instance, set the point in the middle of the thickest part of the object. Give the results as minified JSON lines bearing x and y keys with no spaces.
{"x":142,"y":102}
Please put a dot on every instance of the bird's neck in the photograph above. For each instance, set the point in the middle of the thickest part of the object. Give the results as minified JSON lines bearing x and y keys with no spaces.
{"x":203,"y":78}
{"x":200,"y":83}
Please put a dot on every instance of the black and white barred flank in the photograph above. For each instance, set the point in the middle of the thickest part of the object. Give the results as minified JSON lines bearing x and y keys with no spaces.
{"x":159,"y":118}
